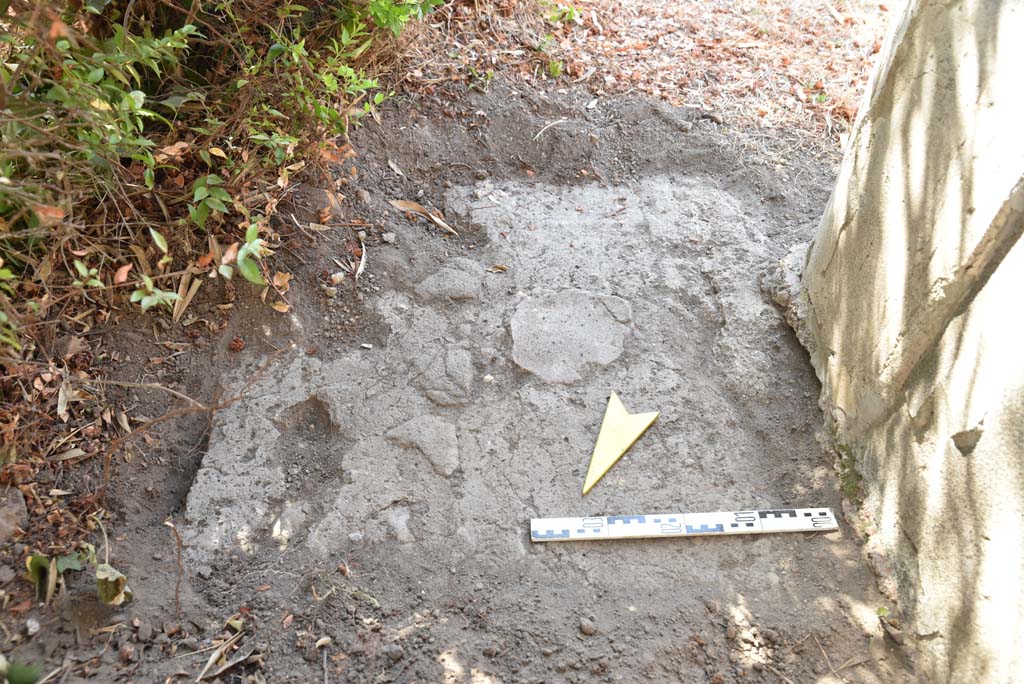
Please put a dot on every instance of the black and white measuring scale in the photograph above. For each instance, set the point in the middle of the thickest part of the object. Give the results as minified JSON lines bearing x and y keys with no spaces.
{"x":683,"y":524}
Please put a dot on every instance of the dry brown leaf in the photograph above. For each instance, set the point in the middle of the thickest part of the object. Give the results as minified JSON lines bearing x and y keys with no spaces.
{"x":121,"y":276}
{"x":205,"y":260}
{"x":186,"y":296}
{"x":230,"y":254}
{"x":48,"y":216}
{"x":217,"y":152}
{"x":281,"y":281}
{"x":282,"y":307}
{"x":171,"y":151}
{"x":417,"y":208}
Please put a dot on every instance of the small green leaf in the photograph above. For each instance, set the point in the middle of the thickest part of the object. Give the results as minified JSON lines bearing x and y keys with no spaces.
{"x":159,"y":239}
{"x":148,"y":281}
{"x":221,"y":194}
{"x":883,"y":611}
{"x":111,"y":586}
{"x":275,"y":51}
{"x":137,"y":295}
{"x":213,"y":179}
{"x":226,"y":271}
{"x":252,"y":232}
{"x":250,"y":270}
{"x":70,"y":562}
{"x":199,"y":213}
{"x":216,"y":204}
{"x":18,"y":673}
{"x":149,"y":177}
{"x":201,"y":193}
{"x":82,"y":269}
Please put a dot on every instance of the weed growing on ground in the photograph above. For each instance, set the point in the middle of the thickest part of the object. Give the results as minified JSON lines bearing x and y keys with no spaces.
{"x":120,"y":115}
{"x":144,"y":146}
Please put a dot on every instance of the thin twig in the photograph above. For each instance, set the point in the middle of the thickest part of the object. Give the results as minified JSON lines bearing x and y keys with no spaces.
{"x":149,"y":385}
{"x":553,"y":123}
{"x":778,"y":674}
{"x":827,"y":661}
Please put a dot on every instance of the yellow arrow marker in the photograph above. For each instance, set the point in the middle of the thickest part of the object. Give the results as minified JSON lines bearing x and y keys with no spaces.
{"x":619,"y":431}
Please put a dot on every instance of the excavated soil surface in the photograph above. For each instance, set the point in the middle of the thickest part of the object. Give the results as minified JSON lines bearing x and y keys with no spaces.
{"x":372,"y":491}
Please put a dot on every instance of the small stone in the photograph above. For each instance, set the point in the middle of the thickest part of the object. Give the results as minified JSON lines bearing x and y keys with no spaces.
{"x":587,"y":627}
{"x":388,"y":238}
{"x":127,"y":653}
{"x":355,"y":536}
{"x":331,"y":292}
{"x":398,"y":519}
{"x":363,"y":196}
{"x":730,"y":633}
{"x":690,"y":462}
{"x":361,"y":235}
{"x":6,"y":575}
{"x":490,"y":649}
{"x":338,"y":278}
{"x":548,"y":652}
{"x":481,"y":174}
{"x":394,"y":652}
{"x":145,"y":632}
{"x":204,"y":571}
{"x":171,"y":628}
{"x":32,"y":626}
{"x":488,"y":379}
{"x":13,"y":514}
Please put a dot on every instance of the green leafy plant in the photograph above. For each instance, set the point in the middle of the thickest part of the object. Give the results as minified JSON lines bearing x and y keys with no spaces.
{"x":148,"y":295}
{"x":120,"y":115}
{"x":480,"y":80}
{"x":560,"y":14}
{"x":87,"y":277}
{"x":249,"y":255}
{"x":208,"y":196}
{"x":46,"y":573}
{"x":555,"y":68}
{"x":395,"y":14}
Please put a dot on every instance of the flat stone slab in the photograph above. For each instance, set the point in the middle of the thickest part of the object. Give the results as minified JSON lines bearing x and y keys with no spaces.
{"x":557,"y":335}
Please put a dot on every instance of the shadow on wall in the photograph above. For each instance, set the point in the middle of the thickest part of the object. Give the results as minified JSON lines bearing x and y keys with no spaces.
{"x":913,"y":293}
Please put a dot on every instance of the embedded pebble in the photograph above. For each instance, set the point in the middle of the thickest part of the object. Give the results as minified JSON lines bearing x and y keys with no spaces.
{"x":394,"y":652}
{"x":587,"y":627}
